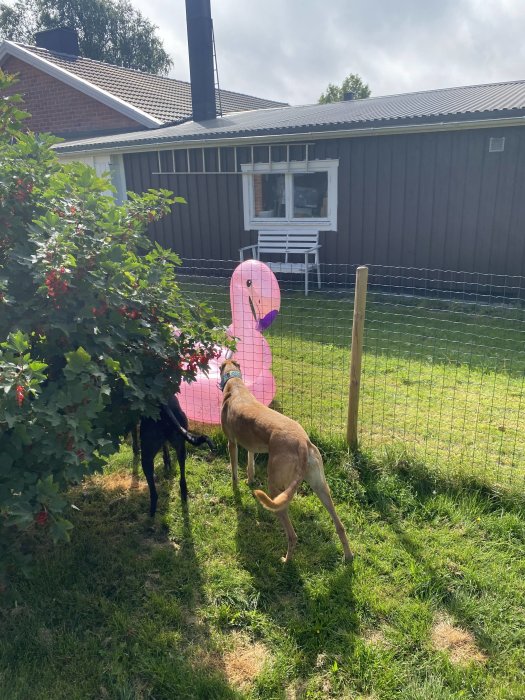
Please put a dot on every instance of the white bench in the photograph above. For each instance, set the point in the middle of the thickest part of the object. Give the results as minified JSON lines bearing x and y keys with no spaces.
{"x":288,"y":243}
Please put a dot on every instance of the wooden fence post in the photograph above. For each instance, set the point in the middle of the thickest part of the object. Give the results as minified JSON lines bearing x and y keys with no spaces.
{"x":358,"y":325}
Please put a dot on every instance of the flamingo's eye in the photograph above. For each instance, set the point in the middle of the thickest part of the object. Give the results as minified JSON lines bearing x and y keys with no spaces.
{"x":248,"y":283}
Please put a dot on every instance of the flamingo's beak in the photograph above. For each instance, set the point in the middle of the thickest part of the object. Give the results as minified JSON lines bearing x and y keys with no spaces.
{"x":264,"y":299}
{"x":266,"y":321}
{"x":261,"y":323}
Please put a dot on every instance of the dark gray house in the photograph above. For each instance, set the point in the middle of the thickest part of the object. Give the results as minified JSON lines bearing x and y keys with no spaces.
{"x":431,"y":179}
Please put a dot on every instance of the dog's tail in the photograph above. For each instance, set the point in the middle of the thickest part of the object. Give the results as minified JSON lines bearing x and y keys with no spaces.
{"x":192,"y":438}
{"x":283,"y":499}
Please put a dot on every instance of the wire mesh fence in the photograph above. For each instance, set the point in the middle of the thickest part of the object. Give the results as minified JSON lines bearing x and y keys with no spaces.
{"x":443,"y":369}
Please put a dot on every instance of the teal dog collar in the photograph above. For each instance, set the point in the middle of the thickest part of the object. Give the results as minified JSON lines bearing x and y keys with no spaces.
{"x":229,"y":375}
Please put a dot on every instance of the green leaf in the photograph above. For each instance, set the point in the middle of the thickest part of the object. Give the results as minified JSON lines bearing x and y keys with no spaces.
{"x":18,"y":341}
{"x":36,"y":366}
{"x":9,"y":418}
{"x":21,"y":514}
{"x":78,"y":360}
{"x":111,"y":364}
{"x":61,"y":530}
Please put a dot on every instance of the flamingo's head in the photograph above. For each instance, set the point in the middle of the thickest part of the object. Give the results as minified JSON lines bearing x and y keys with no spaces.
{"x":255,"y":294}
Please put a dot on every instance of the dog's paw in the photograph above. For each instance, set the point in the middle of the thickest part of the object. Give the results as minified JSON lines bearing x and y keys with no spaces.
{"x":348,"y":559}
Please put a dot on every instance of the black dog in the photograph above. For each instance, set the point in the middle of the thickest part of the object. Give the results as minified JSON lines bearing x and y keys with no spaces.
{"x":172,"y":427}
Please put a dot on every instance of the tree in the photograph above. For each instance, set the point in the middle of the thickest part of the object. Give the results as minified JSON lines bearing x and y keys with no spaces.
{"x":352,"y":83}
{"x":88,"y":307}
{"x":112,"y":31}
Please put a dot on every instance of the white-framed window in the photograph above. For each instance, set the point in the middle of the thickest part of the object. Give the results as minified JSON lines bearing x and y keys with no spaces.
{"x":295,"y":193}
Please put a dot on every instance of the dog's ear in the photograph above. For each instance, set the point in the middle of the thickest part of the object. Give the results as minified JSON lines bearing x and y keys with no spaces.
{"x":229,"y":362}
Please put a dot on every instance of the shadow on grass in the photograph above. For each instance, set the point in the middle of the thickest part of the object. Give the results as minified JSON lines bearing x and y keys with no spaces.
{"x":114,"y":614}
{"x":424,"y":484}
{"x":320,"y":620}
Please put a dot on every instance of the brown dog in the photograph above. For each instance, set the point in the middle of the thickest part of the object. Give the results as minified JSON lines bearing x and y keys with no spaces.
{"x":292,"y":458}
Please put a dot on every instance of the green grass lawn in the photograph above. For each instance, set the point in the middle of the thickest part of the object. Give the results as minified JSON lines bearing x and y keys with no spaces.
{"x":198,"y":605}
{"x":443,"y":381}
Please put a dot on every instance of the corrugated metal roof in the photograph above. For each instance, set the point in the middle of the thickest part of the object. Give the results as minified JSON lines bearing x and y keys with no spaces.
{"x":163,"y":98}
{"x":448,"y":104}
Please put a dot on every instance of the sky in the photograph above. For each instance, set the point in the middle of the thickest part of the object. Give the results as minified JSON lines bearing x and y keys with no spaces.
{"x":289,"y":50}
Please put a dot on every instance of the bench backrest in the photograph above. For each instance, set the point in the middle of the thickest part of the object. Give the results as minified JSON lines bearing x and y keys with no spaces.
{"x":287,"y":241}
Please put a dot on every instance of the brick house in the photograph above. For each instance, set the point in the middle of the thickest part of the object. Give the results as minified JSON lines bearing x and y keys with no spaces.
{"x":72,"y":96}
{"x":75,"y":97}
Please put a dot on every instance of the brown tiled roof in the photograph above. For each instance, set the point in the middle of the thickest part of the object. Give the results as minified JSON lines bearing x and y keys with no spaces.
{"x":166,"y":99}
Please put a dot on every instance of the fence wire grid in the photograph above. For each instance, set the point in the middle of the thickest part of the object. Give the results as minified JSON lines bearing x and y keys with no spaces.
{"x":443,"y":368}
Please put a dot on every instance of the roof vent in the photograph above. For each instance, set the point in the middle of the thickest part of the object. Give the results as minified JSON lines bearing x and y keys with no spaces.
{"x":496,"y":144}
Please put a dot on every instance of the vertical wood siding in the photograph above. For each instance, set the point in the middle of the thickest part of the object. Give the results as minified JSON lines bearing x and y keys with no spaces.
{"x":435,"y":200}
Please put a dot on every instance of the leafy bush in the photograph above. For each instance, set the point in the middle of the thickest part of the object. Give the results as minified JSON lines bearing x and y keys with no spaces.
{"x":87,"y":309}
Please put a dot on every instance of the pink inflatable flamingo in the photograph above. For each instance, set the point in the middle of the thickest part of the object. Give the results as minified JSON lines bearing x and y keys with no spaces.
{"x":255,"y":300}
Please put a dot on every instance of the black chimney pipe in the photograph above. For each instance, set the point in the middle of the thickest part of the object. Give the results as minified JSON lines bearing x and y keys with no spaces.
{"x":60,"y":40}
{"x":200,"y":50}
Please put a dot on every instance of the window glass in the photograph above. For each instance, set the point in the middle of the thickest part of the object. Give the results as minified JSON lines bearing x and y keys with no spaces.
{"x":269,"y":196}
{"x":310,"y":195}
{"x":295,"y":193}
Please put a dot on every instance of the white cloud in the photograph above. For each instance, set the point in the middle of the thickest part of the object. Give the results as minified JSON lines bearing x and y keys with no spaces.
{"x":291,"y":49}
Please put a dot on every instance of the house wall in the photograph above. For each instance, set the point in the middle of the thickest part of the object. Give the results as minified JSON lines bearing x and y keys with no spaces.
{"x":429,"y":200}
{"x":59,"y":108}
{"x":210,"y":225}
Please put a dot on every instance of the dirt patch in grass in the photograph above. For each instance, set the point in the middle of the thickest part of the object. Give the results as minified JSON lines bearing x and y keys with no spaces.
{"x":294,"y":692}
{"x":244,"y":661}
{"x":375,"y":637}
{"x":241,"y":662}
{"x":119,"y":481}
{"x":456,"y":641}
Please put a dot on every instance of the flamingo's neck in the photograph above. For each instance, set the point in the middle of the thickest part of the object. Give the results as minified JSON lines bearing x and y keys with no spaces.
{"x":243,"y":322}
